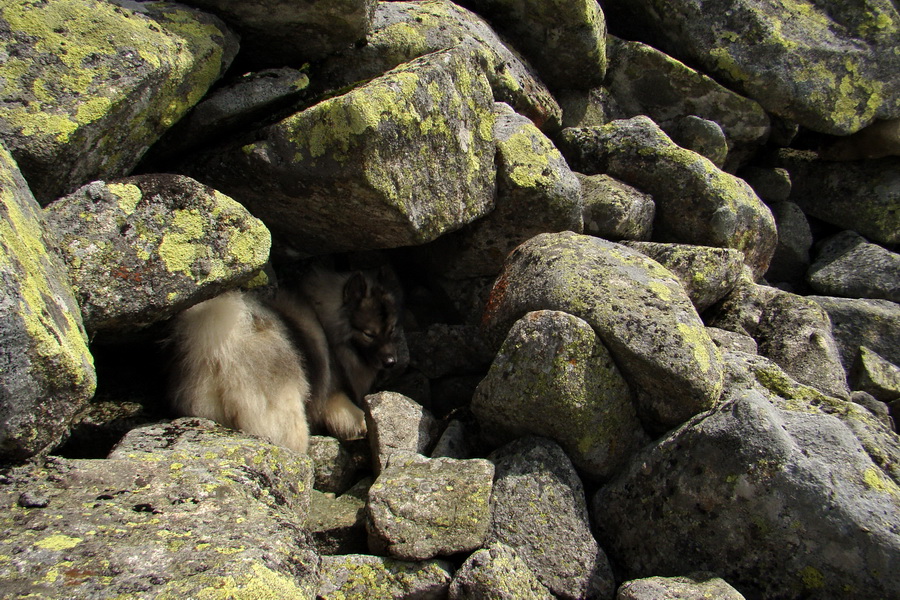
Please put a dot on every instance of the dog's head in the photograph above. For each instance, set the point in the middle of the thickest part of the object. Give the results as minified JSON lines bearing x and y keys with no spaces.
{"x":373,"y":312}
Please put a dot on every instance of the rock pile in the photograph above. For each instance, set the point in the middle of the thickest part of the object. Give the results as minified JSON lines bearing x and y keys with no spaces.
{"x":649,"y":261}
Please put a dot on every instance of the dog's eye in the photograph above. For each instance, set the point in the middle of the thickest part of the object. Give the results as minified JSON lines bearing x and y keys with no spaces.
{"x":369,"y":335}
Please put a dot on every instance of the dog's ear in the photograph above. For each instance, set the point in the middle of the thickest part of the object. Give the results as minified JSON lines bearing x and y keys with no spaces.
{"x":355,"y":289}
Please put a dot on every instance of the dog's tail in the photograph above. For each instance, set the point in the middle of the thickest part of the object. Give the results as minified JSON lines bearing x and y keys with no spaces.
{"x":236,"y":365}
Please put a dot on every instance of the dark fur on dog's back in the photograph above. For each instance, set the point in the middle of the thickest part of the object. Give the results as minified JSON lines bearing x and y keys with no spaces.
{"x":342,"y":329}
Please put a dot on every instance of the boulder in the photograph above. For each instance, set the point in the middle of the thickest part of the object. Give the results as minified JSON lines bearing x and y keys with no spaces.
{"x":707,"y":274}
{"x":696,"y":203}
{"x":702,"y":136}
{"x":396,"y":424}
{"x":421,"y":507}
{"x":773,"y":185}
{"x":539,"y":510}
{"x":275,"y":33}
{"x":329,"y":179}
{"x":614,"y":210}
{"x":796,"y":334}
{"x":645,"y":81}
{"x":536,"y":193}
{"x":637,"y":308}
{"x":782,"y":491}
{"x":338,"y":524}
{"x":831,"y":68}
{"x":361,"y":577}
{"x":142,"y":248}
{"x":565,"y":40}
{"x":849,"y":266}
{"x":215,"y":510}
{"x":863,"y":196}
{"x":792,"y":253}
{"x":696,"y":586}
{"x":741,"y":310}
{"x":47,"y":371}
{"x":874,"y":324}
{"x":877,"y":376}
{"x":554,"y":378}
{"x":403,"y":31}
{"x":90,"y":85}
{"x":496,"y":573}
{"x":335,"y":464}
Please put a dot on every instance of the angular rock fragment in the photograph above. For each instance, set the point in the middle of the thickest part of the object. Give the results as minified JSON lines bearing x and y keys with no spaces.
{"x":875,"y":375}
{"x":403,"y":31}
{"x":217,"y":511}
{"x":540,"y":511}
{"x":614,"y":210}
{"x":47,"y":371}
{"x":89,"y":85}
{"x":361,"y":577}
{"x":851,"y":267}
{"x":398,"y":161}
{"x":637,"y":308}
{"x":696,"y":586}
{"x":874,"y":324}
{"x":140,"y":249}
{"x":565,"y":40}
{"x":696,"y":203}
{"x":707,"y":274}
{"x":553,"y":378}
{"x":863,"y":196}
{"x":421,"y":507}
{"x":396,"y":424}
{"x":335,"y":463}
{"x":496,"y":573}
{"x":831,"y":68}
{"x":284,"y":32}
{"x":536,"y":193}
{"x":739,"y":492}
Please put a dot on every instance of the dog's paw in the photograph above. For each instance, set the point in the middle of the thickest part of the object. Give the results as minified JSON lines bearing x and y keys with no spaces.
{"x":345,"y":420}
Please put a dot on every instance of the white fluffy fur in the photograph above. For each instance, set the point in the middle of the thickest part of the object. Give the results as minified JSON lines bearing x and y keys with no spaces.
{"x":239,"y":369}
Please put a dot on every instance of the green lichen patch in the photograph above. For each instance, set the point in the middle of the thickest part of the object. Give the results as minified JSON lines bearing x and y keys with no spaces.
{"x":89,"y":86}
{"x":141,"y":247}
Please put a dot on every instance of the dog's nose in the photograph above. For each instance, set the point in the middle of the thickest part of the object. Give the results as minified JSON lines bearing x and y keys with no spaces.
{"x":388,"y":362}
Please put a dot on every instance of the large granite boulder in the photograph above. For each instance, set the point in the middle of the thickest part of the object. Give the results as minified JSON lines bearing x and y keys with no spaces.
{"x":847,"y":265}
{"x":180,"y":510}
{"x":89,"y":85}
{"x":47,"y":372}
{"x":142,"y":248}
{"x":637,"y":308}
{"x":832,"y":67}
{"x":397,"y":161}
{"x":696,"y":203}
{"x":782,"y":491}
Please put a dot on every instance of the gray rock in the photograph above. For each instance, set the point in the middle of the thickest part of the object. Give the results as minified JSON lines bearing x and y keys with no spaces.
{"x":403,"y":31}
{"x":553,"y":378}
{"x":732,"y":341}
{"x":829,"y":68}
{"x":696,"y":203}
{"x":100,"y":91}
{"x":791,"y":259}
{"x":47,"y":371}
{"x":871,"y":323}
{"x":707,"y":274}
{"x":281,"y":32}
{"x":702,"y":136}
{"x":741,"y":310}
{"x":335,"y":464}
{"x":459,"y":440}
{"x":645,"y":81}
{"x":540,"y":511}
{"x":397,"y":423}
{"x":338,"y":524}
{"x":362,"y":577}
{"x":637,"y":308}
{"x":565,"y":40}
{"x":140,"y":249}
{"x":796,"y":333}
{"x":782,"y":491}
{"x":217,"y":510}
{"x":863,"y":196}
{"x":849,"y":266}
{"x":614,"y":210}
{"x":880,"y":410}
{"x":589,"y":108}
{"x":536,"y":193}
{"x":696,"y":586}
{"x":771,"y":184}
{"x":310,"y":176}
{"x":496,"y":573}
{"x":877,"y":376}
{"x":421,"y":507}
